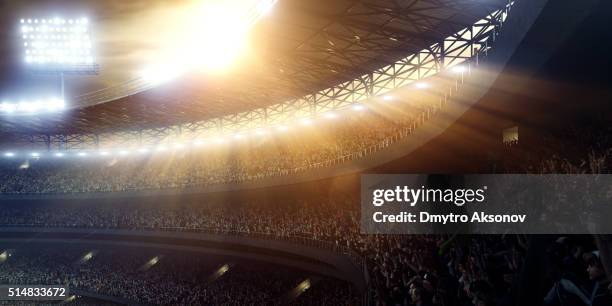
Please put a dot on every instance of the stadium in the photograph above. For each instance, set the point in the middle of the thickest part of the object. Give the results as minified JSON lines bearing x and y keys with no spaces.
{"x":226,"y":152}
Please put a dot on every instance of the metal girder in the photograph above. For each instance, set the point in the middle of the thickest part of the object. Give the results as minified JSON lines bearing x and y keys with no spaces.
{"x":450,"y":51}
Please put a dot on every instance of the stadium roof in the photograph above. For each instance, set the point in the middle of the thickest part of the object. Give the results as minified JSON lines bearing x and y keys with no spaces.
{"x":300,"y":48}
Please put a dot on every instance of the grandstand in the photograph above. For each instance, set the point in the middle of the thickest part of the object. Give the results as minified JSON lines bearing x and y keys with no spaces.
{"x":211,"y":152}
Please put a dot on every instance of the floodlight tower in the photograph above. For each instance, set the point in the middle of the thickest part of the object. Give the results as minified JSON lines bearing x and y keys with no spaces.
{"x":58,"y":46}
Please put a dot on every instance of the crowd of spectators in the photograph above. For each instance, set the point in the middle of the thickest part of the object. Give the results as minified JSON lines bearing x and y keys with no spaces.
{"x":403,"y":269}
{"x":409,"y":270}
{"x":142,"y":276}
{"x":349,"y":137}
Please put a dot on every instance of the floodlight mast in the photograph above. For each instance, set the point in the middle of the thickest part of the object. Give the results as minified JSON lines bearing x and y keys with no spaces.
{"x":58,"y":46}
{"x":62,"y":86}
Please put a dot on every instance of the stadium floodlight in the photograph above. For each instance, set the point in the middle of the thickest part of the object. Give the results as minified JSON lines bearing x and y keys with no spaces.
{"x":303,"y":286}
{"x":306,"y":121}
{"x":32,"y":107}
{"x":143,"y":150}
{"x":124,"y":152}
{"x":330,"y":115}
{"x":219,"y":140}
{"x":35,"y":154}
{"x":260,"y":132}
{"x":59,"y":154}
{"x":222,"y":270}
{"x":82,"y":154}
{"x":458,"y":69}
{"x":103,"y":153}
{"x":87,"y":256}
{"x":9,"y":154}
{"x":358,"y":107}
{"x":153,"y":261}
{"x":58,"y":45}
{"x":421,"y":85}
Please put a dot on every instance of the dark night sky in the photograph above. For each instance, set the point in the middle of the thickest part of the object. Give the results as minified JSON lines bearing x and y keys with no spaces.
{"x":586,"y":56}
{"x":579,"y":69}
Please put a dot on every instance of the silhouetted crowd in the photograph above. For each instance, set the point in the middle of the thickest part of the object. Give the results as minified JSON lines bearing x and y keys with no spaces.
{"x":403,"y":269}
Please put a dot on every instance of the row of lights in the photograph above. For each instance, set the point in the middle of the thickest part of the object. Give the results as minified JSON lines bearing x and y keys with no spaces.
{"x":55,"y":21}
{"x":51,"y":105}
{"x":198,"y":143}
{"x":51,"y":29}
{"x":55,"y":37}
{"x":59,"y":59}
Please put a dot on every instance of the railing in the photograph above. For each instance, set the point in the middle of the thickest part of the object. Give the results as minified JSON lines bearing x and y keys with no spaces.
{"x":355,"y":258}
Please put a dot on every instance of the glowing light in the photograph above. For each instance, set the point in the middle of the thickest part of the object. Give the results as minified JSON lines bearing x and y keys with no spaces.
{"x":88,"y":256}
{"x":179,"y":146}
{"x":104,"y":153}
{"x":238,"y":136}
{"x":330,"y":115}
{"x":143,"y":150}
{"x":222,"y":270}
{"x":306,"y":122}
{"x":124,"y":152}
{"x":265,"y":7}
{"x":261,"y":132}
{"x":53,"y":49}
{"x":458,"y":69}
{"x":161,"y":149}
{"x":303,"y":286}
{"x":198,"y":143}
{"x":282,"y":128}
{"x":387,"y":98}
{"x":82,"y":154}
{"x":421,"y":85}
{"x":358,"y":107}
{"x":35,"y":154}
{"x":157,"y":75}
{"x":9,"y":154}
{"x":32,"y":107}
{"x":222,"y":29}
{"x":59,"y":154}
